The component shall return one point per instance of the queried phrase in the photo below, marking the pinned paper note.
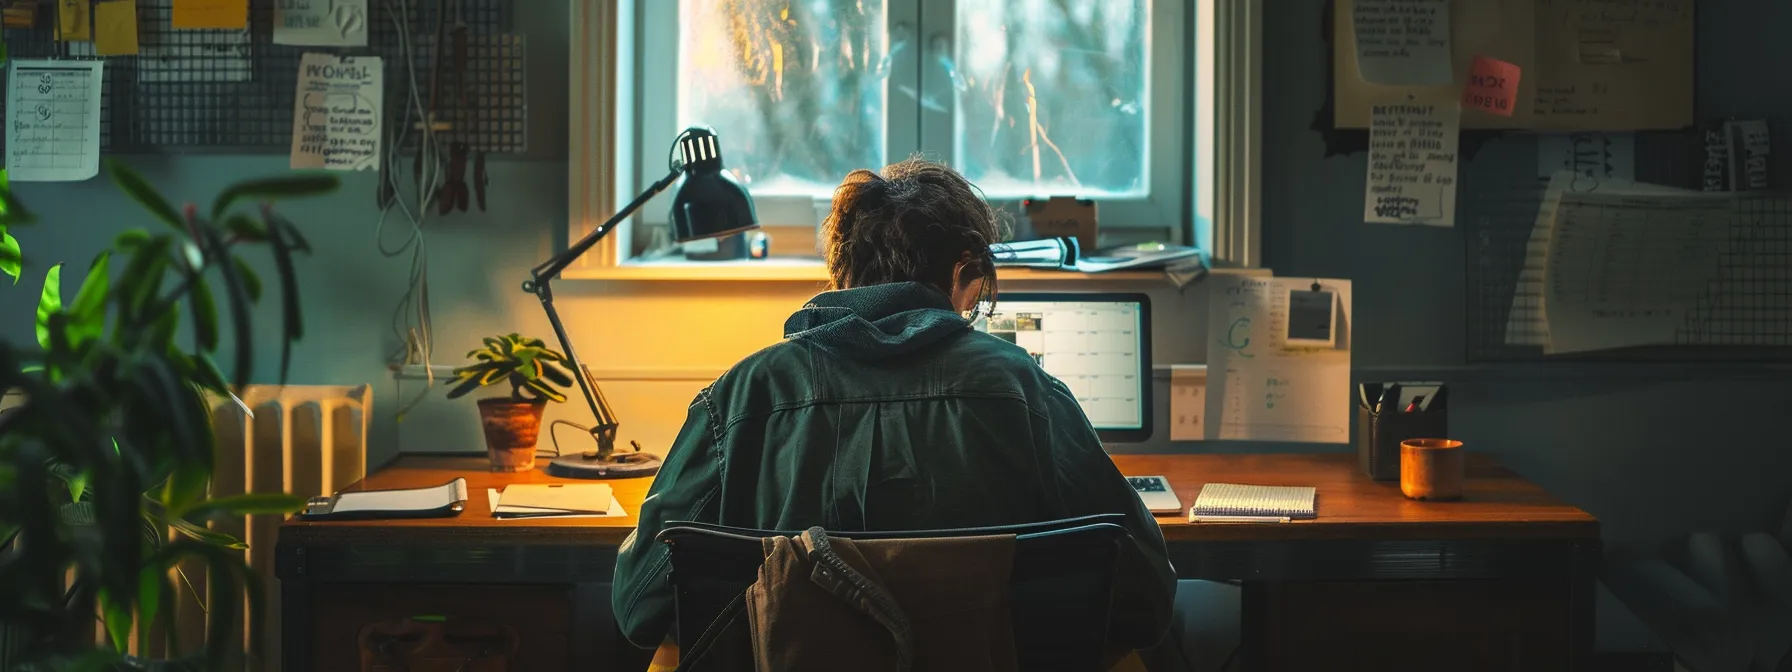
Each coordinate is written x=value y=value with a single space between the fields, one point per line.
x=1412 y=165
x=1258 y=387
x=1593 y=158
x=74 y=21
x=336 y=113
x=321 y=23
x=54 y=110
x=1403 y=41
x=190 y=14
x=1188 y=402
x=1492 y=86
x=115 y=28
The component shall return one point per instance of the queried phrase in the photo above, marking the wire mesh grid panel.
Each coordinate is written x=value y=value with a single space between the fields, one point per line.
x=1743 y=312
x=234 y=89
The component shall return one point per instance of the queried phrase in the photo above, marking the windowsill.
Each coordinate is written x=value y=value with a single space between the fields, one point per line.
x=790 y=269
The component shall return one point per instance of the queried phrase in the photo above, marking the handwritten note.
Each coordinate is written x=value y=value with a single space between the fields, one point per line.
x=1626 y=269
x=1412 y=165
x=54 y=112
x=115 y=28
x=189 y=14
x=336 y=113
x=1403 y=41
x=1188 y=402
x=1258 y=388
x=73 y=21
x=1749 y=139
x=170 y=55
x=1613 y=65
x=321 y=23
x=1593 y=158
x=1492 y=86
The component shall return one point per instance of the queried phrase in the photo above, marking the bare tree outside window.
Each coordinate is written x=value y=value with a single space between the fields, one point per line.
x=1052 y=96
x=797 y=84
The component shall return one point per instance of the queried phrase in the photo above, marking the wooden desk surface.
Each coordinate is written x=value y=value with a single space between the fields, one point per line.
x=1498 y=504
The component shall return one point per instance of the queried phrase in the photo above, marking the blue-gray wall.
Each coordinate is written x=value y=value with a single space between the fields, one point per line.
x=1652 y=450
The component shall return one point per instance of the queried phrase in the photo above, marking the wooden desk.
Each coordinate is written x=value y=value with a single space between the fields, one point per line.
x=1506 y=574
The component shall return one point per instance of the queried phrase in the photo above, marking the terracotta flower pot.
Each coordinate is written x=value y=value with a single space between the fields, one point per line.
x=511 y=430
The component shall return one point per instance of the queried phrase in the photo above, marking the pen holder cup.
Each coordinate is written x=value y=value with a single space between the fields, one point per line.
x=1378 y=435
x=1432 y=469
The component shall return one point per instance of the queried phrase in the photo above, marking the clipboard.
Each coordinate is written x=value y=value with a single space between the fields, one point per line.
x=443 y=501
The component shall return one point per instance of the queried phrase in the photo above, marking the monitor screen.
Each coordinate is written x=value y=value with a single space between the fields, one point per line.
x=1098 y=344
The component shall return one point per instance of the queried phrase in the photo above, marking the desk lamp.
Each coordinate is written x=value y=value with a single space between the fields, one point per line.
x=708 y=203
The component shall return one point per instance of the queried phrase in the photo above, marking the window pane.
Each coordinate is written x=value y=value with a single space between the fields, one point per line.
x=794 y=88
x=1052 y=96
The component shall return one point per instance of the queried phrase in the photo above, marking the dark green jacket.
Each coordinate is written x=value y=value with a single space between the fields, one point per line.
x=883 y=410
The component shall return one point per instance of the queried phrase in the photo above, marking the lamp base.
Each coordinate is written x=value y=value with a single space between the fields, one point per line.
x=617 y=465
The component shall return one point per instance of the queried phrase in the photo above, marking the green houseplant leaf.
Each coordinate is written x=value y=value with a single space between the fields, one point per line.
x=88 y=312
x=301 y=185
x=49 y=303
x=145 y=195
x=12 y=261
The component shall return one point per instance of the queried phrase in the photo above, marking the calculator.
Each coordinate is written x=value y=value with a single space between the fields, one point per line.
x=1156 y=493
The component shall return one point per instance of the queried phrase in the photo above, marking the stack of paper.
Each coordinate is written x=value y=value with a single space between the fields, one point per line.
x=557 y=500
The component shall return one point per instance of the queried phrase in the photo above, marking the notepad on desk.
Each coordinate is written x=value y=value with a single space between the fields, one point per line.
x=1233 y=503
x=443 y=500
x=554 y=500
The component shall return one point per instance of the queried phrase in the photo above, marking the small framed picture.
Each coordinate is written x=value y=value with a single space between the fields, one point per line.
x=1312 y=318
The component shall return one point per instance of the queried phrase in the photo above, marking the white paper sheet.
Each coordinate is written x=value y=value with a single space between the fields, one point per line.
x=1258 y=389
x=1412 y=164
x=493 y=496
x=336 y=113
x=321 y=23
x=1528 y=322
x=1403 y=42
x=1593 y=158
x=208 y=55
x=1188 y=402
x=1626 y=270
x=55 y=113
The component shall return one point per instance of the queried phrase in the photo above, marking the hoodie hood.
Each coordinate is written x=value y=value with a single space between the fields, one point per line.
x=878 y=321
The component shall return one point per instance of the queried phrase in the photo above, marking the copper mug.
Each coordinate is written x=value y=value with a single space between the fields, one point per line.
x=1432 y=469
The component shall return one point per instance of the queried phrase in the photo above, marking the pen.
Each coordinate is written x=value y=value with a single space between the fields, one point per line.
x=1413 y=406
x=1241 y=519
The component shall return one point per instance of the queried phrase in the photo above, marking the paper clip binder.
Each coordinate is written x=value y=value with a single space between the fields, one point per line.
x=442 y=501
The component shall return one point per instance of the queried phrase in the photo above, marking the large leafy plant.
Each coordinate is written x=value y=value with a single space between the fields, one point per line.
x=105 y=466
x=534 y=371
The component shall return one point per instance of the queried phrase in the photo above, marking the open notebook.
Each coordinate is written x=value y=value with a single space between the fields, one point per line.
x=1230 y=500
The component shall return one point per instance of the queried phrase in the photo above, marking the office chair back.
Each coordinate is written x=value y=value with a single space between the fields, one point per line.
x=1059 y=597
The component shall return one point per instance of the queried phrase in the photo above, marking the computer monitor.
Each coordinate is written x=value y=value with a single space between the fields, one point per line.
x=1098 y=344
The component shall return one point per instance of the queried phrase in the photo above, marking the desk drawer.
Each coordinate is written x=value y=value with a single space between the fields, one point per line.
x=540 y=616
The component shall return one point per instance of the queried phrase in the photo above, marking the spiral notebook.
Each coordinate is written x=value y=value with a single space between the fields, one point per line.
x=1253 y=503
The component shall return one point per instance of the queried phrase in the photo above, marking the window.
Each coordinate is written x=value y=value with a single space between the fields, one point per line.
x=1135 y=103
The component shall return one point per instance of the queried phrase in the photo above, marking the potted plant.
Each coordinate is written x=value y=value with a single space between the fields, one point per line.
x=512 y=424
x=105 y=465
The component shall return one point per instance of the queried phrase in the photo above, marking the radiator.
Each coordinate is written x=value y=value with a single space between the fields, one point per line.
x=307 y=440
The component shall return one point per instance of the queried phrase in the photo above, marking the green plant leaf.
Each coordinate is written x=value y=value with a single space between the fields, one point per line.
x=152 y=582
x=203 y=534
x=185 y=487
x=145 y=195
x=141 y=284
x=205 y=313
x=117 y=615
x=12 y=260
x=131 y=239
x=292 y=319
x=544 y=390
x=295 y=186
x=49 y=304
x=245 y=227
x=88 y=313
x=556 y=374
x=251 y=504
x=242 y=339
x=77 y=485
x=208 y=375
x=251 y=281
x=461 y=389
x=11 y=210
x=163 y=330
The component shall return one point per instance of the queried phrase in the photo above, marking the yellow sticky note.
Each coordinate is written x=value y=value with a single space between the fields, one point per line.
x=211 y=13
x=115 y=28
x=73 y=22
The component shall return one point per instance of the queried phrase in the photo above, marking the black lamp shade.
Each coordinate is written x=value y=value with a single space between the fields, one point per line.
x=709 y=202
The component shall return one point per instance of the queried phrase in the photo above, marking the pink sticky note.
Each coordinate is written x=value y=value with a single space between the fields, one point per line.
x=1492 y=86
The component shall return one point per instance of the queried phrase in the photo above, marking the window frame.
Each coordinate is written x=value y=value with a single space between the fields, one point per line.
x=1213 y=187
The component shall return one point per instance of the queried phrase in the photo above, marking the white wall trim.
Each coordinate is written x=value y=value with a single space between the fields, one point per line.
x=1238 y=132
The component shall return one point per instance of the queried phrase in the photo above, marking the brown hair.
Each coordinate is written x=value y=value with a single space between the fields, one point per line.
x=914 y=222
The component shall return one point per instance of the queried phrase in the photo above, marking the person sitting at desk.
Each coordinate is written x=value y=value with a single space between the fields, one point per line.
x=883 y=410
